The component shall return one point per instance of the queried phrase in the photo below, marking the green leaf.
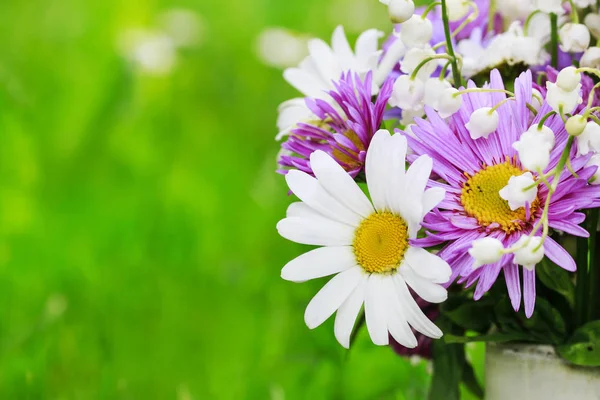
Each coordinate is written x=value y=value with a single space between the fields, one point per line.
x=471 y=382
x=473 y=315
x=557 y=279
x=493 y=337
x=583 y=348
x=448 y=361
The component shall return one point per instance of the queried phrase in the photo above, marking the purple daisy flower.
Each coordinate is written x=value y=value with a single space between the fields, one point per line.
x=344 y=128
x=473 y=172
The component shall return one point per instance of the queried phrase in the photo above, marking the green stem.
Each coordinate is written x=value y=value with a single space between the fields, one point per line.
x=427 y=60
x=594 y=267
x=581 y=284
x=458 y=82
x=554 y=39
x=429 y=8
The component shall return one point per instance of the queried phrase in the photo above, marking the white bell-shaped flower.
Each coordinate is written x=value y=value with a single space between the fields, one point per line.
x=407 y=93
x=513 y=10
x=433 y=90
x=483 y=122
x=574 y=38
x=520 y=191
x=584 y=3
x=486 y=250
x=575 y=125
x=449 y=102
x=592 y=21
x=558 y=98
x=399 y=10
x=568 y=79
x=457 y=9
x=589 y=139
x=534 y=151
x=536 y=99
x=548 y=6
x=591 y=58
x=417 y=31
x=414 y=57
x=595 y=162
x=531 y=252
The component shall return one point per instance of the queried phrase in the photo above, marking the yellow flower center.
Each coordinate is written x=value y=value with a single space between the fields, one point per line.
x=481 y=199
x=380 y=242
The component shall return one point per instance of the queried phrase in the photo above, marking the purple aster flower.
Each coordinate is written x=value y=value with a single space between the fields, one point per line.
x=473 y=171
x=344 y=128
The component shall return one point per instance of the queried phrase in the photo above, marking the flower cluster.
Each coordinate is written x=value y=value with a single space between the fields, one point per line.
x=492 y=167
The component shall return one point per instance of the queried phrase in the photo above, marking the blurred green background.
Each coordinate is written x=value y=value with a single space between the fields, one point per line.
x=138 y=252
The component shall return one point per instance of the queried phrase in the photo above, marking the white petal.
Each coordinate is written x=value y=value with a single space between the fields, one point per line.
x=318 y=263
x=304 y=82
x=331 y=296
x=411 y=204
x=431 y=198
x=375 y=311
x=376 y=169
x=427 y=265
x=341 y=47
x=324 y=60
x=396 y=318
x=414 y=314
x=316 y=231
x=300 y=209
x=367 y=43
x=345 y=317
x=395 y=159
x=339 y=184
x=427 y=290
x=312 y=193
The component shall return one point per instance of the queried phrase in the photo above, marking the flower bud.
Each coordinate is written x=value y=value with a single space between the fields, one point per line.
x=457 y=9
x=558 y=98
x=568 y=79
x=417 y=31
x=407 y=93
x=414 y=57
x=482 y=122
x=595 y=162
x=589 y=139
x=575 y=125
x=516 y=195
x=400 y=10
x=449 y=102
x=549 y=6
x=531 y=253
x=486 y=250
x=574 y=38
x=591 y=58
x=592 y=21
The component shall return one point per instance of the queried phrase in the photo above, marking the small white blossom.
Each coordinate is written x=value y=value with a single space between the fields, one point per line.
x=534 y=149
x=539 y=27
x=516 y=195
x=575 y=125
x=549 y=6
x=536 y=99
x=591 y=58
x=568 y=79
x=531 y=253
x=592 y=21
x=595 y=162
x=416 y=56
x=514 y=10
x=558 y=98
x=584 y=3
x=408 y=116
x=449 y=102
x=433 y=91
x=574 y=38
x=457 y=9
x=407 y=93
x=589 y=139
x=486 y=250
x=483 y=122
x=417 y=31
x=399 y=10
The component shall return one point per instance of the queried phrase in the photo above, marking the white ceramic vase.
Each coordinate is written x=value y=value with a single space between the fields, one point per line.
x=535 y=372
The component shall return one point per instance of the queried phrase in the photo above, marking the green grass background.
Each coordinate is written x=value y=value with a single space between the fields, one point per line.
x=138 y=252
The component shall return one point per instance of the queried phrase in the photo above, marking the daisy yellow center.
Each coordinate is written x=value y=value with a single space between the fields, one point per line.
x=380 y=242
x=481 y=198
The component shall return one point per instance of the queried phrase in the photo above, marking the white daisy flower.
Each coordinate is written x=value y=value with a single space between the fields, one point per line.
x=367 y=244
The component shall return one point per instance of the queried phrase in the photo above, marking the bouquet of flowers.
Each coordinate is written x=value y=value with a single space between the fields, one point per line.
x=450 y=180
